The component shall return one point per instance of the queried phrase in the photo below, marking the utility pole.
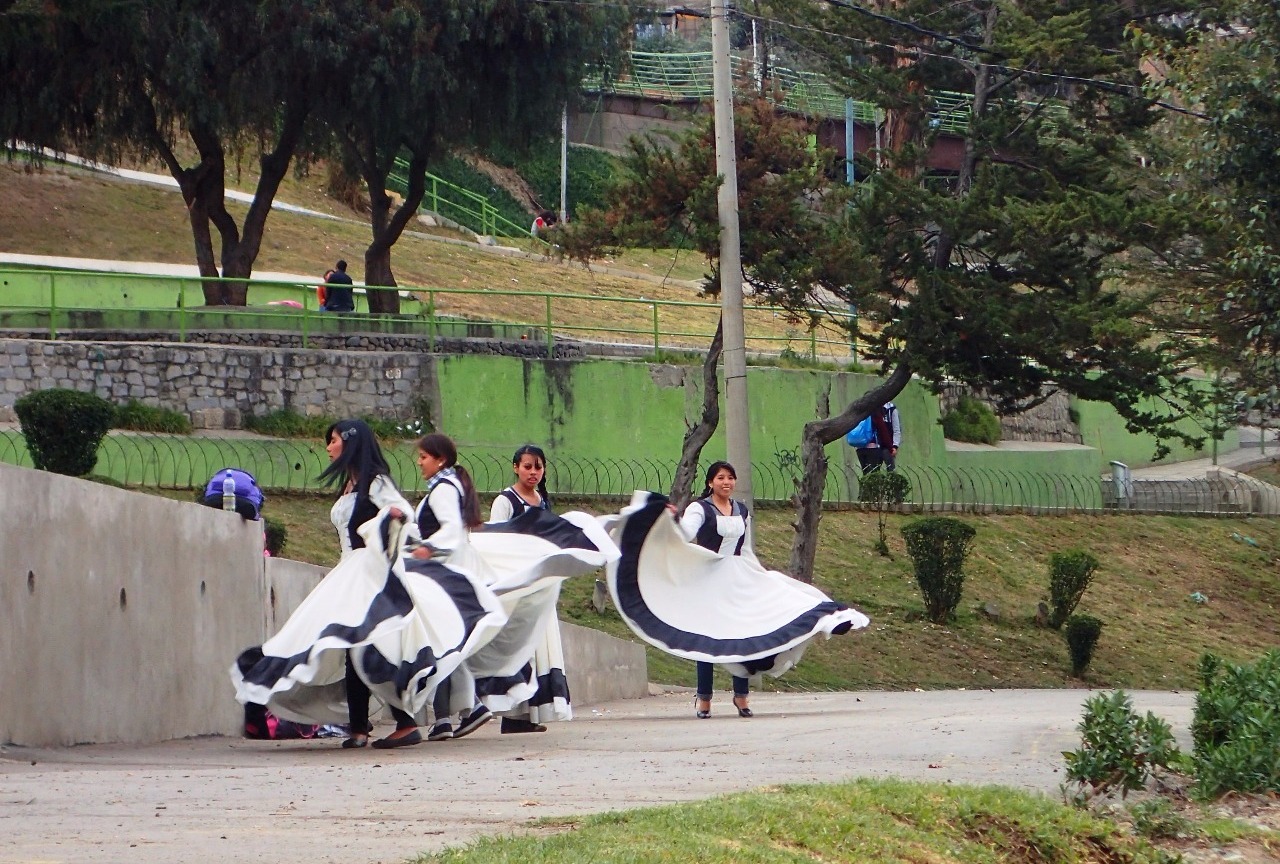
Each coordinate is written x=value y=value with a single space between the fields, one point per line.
x=564 y=164
x=737 y=424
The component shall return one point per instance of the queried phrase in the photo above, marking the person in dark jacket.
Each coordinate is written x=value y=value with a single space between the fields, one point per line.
x=337 y=295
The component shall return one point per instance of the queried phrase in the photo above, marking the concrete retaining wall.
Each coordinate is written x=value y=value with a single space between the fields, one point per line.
x=122 y=612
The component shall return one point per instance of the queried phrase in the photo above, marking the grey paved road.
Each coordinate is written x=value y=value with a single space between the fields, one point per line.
x=227 y=800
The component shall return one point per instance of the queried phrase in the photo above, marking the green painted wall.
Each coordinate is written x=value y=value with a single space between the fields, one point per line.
x=617 y=409
x=1103 y=428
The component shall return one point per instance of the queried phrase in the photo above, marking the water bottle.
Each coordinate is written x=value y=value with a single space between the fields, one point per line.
x=229 y=493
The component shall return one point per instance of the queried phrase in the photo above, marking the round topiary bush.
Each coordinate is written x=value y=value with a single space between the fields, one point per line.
x=63 y=429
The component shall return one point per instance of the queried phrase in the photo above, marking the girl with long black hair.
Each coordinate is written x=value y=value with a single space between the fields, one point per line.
x=358 y=468
x=715 y=521
x=694 y=588
x=448 y=512
x=529 y=492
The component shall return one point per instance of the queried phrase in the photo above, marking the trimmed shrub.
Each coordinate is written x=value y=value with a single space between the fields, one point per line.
x=1118 y=749
x=63 y=429
x=938 y=547
x=1236 y=726
x=880 y=490
x=1082 y=635
x=287 y=423
x=971 y=421
x=149 y=418
x=277 y=535
x=1070 y=573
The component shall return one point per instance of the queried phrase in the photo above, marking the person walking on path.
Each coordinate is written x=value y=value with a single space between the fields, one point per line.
x=338 y=291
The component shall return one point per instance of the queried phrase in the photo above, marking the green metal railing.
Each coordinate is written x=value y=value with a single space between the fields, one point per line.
x=462 y=205
x=687 y=77
x=52 y=300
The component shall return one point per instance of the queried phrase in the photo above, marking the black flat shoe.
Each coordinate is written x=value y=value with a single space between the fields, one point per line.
x=698 y=712
x=355 y=743
x=414 y=737
x=743 y=710
x=513 y=725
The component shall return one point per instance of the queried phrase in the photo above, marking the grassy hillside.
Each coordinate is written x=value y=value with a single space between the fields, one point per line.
x=72 y=212
x=1153 y=631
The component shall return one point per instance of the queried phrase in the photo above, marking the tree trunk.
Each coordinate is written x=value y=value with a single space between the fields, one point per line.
x=194 y=184
x=238 y=257
x=813 y=457
x=700 y=433
x=387 y=228
x=982 y=87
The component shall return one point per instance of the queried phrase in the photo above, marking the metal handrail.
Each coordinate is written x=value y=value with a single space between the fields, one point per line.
x=687 y=77
x=481 y=215
x=166 y=301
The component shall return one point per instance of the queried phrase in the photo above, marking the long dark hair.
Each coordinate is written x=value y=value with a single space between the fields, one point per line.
x=442 y=447
x=361 y=458
x=535 y=451
x=711 y=475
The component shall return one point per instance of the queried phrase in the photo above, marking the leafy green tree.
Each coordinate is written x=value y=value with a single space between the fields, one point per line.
x=416 y=79
x=791 y=242
x=1003 y=273
x=195 y=85
x=1219 y=155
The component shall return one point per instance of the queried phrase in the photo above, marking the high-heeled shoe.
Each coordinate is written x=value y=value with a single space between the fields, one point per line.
x=743 y=710
x=698 y=711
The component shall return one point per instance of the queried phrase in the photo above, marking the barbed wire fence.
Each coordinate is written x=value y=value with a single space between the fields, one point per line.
x=165 y=461
x=178 y=462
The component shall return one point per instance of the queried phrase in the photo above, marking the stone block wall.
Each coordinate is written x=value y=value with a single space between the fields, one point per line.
x=216 y=387
x=1049 y=421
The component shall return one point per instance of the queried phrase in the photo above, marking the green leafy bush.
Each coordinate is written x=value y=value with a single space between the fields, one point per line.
x=149 y=418
x=1070 y=573
x=1082 y=635
x=592 y=173
x=971 y=421
x=880 y=490
x=938 y=546
x=459 y=173
x=1236 y=726
x=1156 y=819
x=1118 y=749
x=287 y=423
x=277 y=535
x=63 y=429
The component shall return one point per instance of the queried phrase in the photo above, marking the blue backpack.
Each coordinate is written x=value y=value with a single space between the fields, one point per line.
x=862 y=434
x=249 y=498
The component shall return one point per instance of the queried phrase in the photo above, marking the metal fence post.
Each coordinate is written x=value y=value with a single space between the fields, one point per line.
x=551 y=339
x=182 y=311
x=813 y=344
x=53 y=306
x=306 y=320
x=431 y=320
x=657 y=346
